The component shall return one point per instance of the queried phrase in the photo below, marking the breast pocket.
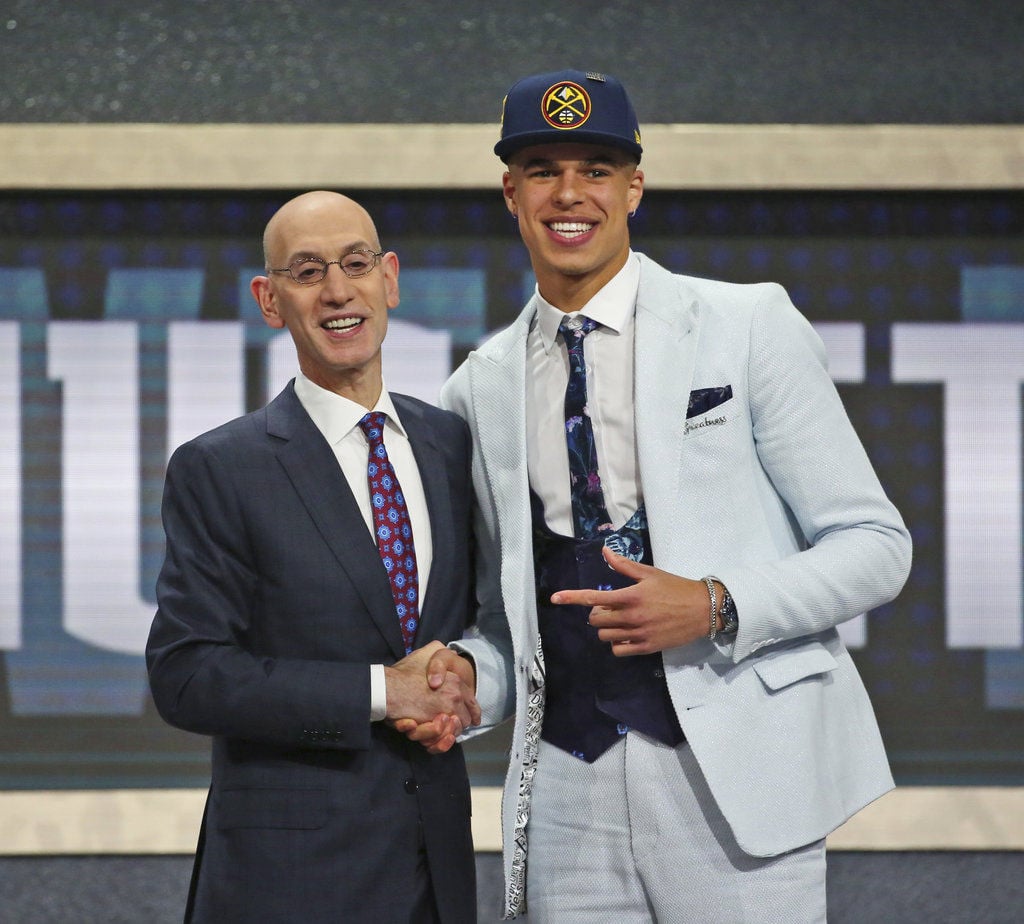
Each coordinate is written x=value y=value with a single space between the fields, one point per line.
x=703 y=400
x=709 y=413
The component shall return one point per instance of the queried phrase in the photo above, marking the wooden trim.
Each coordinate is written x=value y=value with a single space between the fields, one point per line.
x=391 y=156
x=166 y=821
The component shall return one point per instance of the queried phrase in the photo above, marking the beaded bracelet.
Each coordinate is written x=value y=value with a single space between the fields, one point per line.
x=713 y=630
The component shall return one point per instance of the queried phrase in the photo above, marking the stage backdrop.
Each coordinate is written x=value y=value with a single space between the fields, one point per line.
x=126 y=327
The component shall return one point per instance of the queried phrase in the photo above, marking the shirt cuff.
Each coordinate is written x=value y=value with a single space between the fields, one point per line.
x=378 y=693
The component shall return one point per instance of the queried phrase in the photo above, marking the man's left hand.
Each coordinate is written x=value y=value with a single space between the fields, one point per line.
x=440 y=734
x=661 y=610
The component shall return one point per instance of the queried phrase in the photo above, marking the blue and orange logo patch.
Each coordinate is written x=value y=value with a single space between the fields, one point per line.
x=565 y=105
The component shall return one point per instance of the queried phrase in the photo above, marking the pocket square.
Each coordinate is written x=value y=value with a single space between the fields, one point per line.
x=703 y=400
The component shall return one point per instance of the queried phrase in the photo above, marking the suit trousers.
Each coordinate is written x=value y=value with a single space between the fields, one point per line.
x=637 y=837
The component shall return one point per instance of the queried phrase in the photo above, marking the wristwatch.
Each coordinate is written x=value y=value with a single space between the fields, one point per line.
x=730 y=618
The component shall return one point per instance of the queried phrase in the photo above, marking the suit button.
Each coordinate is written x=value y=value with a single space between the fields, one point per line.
x=411 y=787
x=659 y=673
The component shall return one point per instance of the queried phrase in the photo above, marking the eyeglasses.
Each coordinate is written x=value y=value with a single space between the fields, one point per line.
x=308 y=271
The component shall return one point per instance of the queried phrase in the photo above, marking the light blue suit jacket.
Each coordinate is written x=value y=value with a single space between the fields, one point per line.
x=772 y=492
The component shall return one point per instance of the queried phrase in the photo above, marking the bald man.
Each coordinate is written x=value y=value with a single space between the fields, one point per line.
x=301 y=596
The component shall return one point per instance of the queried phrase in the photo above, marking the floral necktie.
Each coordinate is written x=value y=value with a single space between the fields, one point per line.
x=588 y=510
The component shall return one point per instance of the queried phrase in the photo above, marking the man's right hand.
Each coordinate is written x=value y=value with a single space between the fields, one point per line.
x=430 y=682
x=445 y=672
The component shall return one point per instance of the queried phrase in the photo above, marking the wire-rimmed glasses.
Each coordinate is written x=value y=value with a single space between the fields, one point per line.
x=308 y=271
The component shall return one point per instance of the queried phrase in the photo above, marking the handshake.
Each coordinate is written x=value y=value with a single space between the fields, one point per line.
x=431 y=696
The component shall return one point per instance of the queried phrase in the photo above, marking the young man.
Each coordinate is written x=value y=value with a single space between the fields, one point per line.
x=294 y=638
x=688 y=724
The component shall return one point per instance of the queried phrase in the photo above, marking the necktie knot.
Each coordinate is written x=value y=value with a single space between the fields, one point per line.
x=372 y=425
x=574 y=329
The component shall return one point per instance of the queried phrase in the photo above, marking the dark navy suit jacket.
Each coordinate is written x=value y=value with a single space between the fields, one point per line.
x=272 y=603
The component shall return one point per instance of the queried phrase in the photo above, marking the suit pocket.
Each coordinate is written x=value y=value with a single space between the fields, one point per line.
x=703 y=400
x=710 y=411
x=781 y=668
x=272 y=808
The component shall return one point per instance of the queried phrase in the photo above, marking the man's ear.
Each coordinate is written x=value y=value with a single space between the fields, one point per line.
x=389 y=263
x=508 y=190
x=636 y=190
x=264 y=295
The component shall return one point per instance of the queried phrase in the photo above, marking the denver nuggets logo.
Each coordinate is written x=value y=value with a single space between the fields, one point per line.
x=566 y=105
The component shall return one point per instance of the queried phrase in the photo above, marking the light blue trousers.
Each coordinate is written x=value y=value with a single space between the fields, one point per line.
x=636 y=837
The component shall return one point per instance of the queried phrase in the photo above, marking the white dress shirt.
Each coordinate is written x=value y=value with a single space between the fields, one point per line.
x=337 y=418
x=608 y=349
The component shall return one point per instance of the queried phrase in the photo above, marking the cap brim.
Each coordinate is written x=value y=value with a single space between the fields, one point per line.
x=506 y=147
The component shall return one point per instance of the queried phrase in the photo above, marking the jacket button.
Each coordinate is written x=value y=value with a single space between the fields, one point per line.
x=411 y=787
x=659 y=673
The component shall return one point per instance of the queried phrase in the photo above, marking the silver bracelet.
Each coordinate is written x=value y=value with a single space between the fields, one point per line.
x=713 y=630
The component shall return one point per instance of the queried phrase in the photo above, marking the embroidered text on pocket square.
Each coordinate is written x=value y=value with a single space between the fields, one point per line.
x=703 y=400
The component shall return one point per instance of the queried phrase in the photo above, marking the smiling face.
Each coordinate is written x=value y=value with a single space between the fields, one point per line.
x=572 y=202
x=338 y=324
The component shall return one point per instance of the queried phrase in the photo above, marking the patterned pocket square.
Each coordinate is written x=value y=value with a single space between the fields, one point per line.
x=703 y=400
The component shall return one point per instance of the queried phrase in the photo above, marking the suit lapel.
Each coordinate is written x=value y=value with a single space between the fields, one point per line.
x=313 y=470
x=431 y=464
x=498 y=384
x=667 y=334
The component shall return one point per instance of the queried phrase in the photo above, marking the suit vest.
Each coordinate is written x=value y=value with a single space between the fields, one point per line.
x=593 y=697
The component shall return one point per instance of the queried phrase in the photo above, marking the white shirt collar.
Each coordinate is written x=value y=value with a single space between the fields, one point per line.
x=612 y=306
x=336 y=416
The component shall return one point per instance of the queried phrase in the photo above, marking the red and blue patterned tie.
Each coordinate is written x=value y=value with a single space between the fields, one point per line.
x=589 y=514
x=392 y=528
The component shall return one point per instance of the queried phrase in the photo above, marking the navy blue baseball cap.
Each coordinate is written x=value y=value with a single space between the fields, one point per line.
x=568 y=106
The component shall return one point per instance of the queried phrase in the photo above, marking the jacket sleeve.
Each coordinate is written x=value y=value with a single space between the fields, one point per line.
x=212 y=666
x=853 y=549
